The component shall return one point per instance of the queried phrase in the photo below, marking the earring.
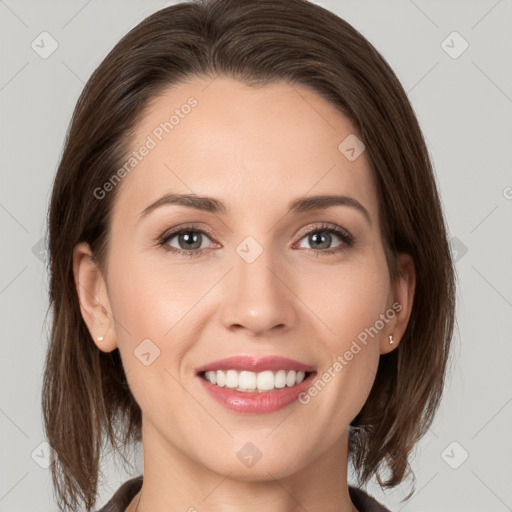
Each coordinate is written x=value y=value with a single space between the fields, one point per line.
x=391 y=340
x=101 y=338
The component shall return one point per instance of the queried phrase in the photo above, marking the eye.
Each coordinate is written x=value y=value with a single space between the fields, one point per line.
x=321 y=238
x=189 y=240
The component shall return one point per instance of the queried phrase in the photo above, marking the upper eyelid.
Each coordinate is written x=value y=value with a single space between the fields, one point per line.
x=323 y=225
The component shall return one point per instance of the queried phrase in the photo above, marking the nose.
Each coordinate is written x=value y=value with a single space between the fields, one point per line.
x=258 y=297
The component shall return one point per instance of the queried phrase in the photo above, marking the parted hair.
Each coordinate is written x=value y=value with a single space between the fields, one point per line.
x=86 y=400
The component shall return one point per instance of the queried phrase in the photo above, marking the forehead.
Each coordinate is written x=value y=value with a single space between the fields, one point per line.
x=252 y=146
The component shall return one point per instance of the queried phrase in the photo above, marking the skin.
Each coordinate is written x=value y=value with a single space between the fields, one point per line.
x=256 y=150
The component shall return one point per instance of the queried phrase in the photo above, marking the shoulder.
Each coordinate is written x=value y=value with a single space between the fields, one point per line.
x=123 y=496
x=364 y=502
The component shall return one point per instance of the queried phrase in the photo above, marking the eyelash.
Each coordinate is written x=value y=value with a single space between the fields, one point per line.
x=347 y=239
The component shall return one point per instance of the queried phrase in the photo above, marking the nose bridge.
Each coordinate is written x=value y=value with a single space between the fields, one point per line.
x=253 y=266
x=257 y=297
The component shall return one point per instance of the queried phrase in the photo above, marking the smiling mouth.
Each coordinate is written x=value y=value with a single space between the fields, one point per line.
x=255 y=382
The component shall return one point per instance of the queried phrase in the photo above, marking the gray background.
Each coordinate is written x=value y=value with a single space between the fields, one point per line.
x=464 y=106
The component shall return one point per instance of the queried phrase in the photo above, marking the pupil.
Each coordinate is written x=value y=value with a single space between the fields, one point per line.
x=326 y=237
x=191 y=238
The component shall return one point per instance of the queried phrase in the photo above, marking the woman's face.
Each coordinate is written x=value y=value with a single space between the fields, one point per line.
x=264 y=280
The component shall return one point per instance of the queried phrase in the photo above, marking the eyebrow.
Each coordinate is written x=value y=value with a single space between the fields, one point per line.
x=303 y=204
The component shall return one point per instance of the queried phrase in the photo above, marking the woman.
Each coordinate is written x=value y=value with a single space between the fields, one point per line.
x=250 y=271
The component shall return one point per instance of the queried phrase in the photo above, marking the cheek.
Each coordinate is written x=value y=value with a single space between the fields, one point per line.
x=348 y=298
x=149 y=309
x=353 y=304
x=154 y=306
x=149 y=299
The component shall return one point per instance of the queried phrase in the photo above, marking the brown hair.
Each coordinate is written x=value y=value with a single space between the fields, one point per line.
x=85 y=396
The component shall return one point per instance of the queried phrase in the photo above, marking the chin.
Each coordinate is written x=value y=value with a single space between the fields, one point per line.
x=262 y=469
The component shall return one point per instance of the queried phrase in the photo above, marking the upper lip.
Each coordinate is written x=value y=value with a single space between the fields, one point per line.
x=255 y=364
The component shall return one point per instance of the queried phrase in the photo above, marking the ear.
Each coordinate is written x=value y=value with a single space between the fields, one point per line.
x=93 y=298
x=401 y=300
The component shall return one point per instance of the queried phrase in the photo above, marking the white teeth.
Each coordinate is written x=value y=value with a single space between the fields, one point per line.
x=231 y=379
x=221 y=378
x=280 y=379
x=212 y=377
x=265 y=381
x=247 y=381
x=251 y=381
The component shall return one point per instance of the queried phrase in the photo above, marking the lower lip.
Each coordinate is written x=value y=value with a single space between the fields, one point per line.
x=255 y=402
